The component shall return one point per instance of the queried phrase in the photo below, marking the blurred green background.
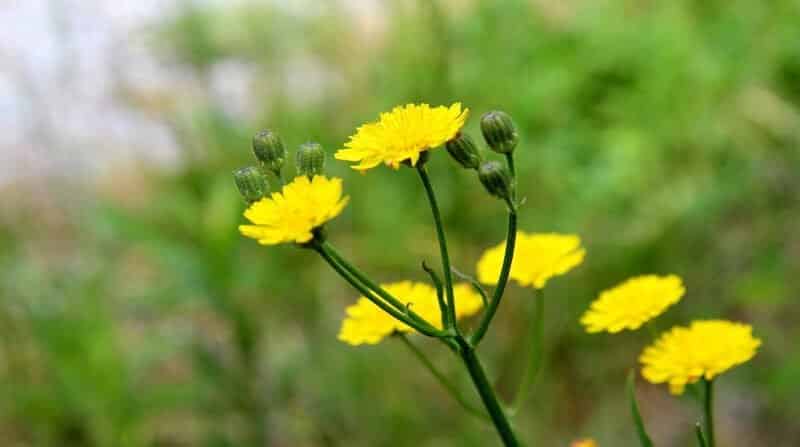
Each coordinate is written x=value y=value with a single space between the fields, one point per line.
x=664 y=133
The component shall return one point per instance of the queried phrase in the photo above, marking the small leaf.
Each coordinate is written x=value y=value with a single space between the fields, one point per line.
x=701 y=439
x=644 y=439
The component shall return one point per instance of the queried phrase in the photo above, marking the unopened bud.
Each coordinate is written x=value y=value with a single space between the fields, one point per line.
x=464 y=151
x=251 y=183
x=499 y=131
x=494 y=177
x=310 y=159
x=268 y=149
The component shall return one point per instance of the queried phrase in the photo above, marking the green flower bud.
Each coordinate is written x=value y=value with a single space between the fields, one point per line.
x=499 y=131
x=268 y=149
x=251 y=183
x=464 y=151
x=495 y=179
x=310 y=159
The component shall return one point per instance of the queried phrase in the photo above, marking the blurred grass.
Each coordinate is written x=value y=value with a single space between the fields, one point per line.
x=666 y=134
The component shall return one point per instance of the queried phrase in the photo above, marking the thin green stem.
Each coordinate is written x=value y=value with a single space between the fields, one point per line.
x=708 y=407
x=440 y=377
x=475 y=285
x=487 y=393
x=437 y=219
x=535 y=352
x=511 y=238
x=324 y=250
x=439 y=292
x=380 y=291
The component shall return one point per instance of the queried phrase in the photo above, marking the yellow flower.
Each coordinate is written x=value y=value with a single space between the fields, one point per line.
x=586 y=442
x=402 y=134
x=367 y=323
x=537 y=258
x=634 y=302
x=705 y=349
x=291 y=215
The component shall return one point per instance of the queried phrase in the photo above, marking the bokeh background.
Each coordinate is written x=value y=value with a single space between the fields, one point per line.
x=133 y=314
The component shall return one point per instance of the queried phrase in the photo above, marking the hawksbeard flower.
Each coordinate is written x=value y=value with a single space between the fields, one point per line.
x=586 y=442
x=292 y=214
x=705 y=349
x=366 y=323
x=402 y=135
x=631 y=304
x=537 y=258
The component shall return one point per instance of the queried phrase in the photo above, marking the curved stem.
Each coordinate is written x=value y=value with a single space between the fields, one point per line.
x=324 y=250
x=535 y=352
x=511 y=238
x=475 y=285
x=708 y=405
x=439 y=292
x=440 y=377
x=487 y=393
x=380 y=291
x=437 y=219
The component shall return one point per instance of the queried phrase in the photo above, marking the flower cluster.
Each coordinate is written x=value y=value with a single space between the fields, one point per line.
x=365 y=323
x=297 y=213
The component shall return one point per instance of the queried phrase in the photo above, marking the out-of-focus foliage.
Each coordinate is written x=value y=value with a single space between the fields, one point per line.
x=666 y=134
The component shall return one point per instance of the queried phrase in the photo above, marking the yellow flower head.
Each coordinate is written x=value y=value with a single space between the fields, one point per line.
x=367 y=323
x=586 y=442
x=631 y=304
x=291 y=215
x=705 y=349
x=402 y=134
x=537 y=258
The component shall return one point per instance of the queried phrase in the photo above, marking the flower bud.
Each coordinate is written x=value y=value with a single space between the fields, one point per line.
x=495 y=179
x=499 y=131
x=251 y=183
x=268 y=149
x=310 y=159
x=464 y=151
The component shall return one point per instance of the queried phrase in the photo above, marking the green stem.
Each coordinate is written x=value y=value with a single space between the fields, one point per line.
x=324 y=250
x=535 y=351
x=701 y=439
x=439 y=292
x=708 y=405
x=440 y=377
x=487 y=393
x=437 y=219
x=511 y=238
x=380 y=291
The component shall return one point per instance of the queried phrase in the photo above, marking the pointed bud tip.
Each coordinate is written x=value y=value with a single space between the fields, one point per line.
x=310 y=159
x=251 y=183
x=499 y=131
x=464 y=151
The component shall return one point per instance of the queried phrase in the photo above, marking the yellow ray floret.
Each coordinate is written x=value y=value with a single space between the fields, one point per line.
x=292 y=214
x=537 y=258
x=632 y=303
x=366 y=323
x=402 y=134
x=587 y=442
x=705 y=349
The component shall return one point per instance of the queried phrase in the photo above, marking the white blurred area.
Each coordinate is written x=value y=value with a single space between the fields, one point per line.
x=67 y=70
